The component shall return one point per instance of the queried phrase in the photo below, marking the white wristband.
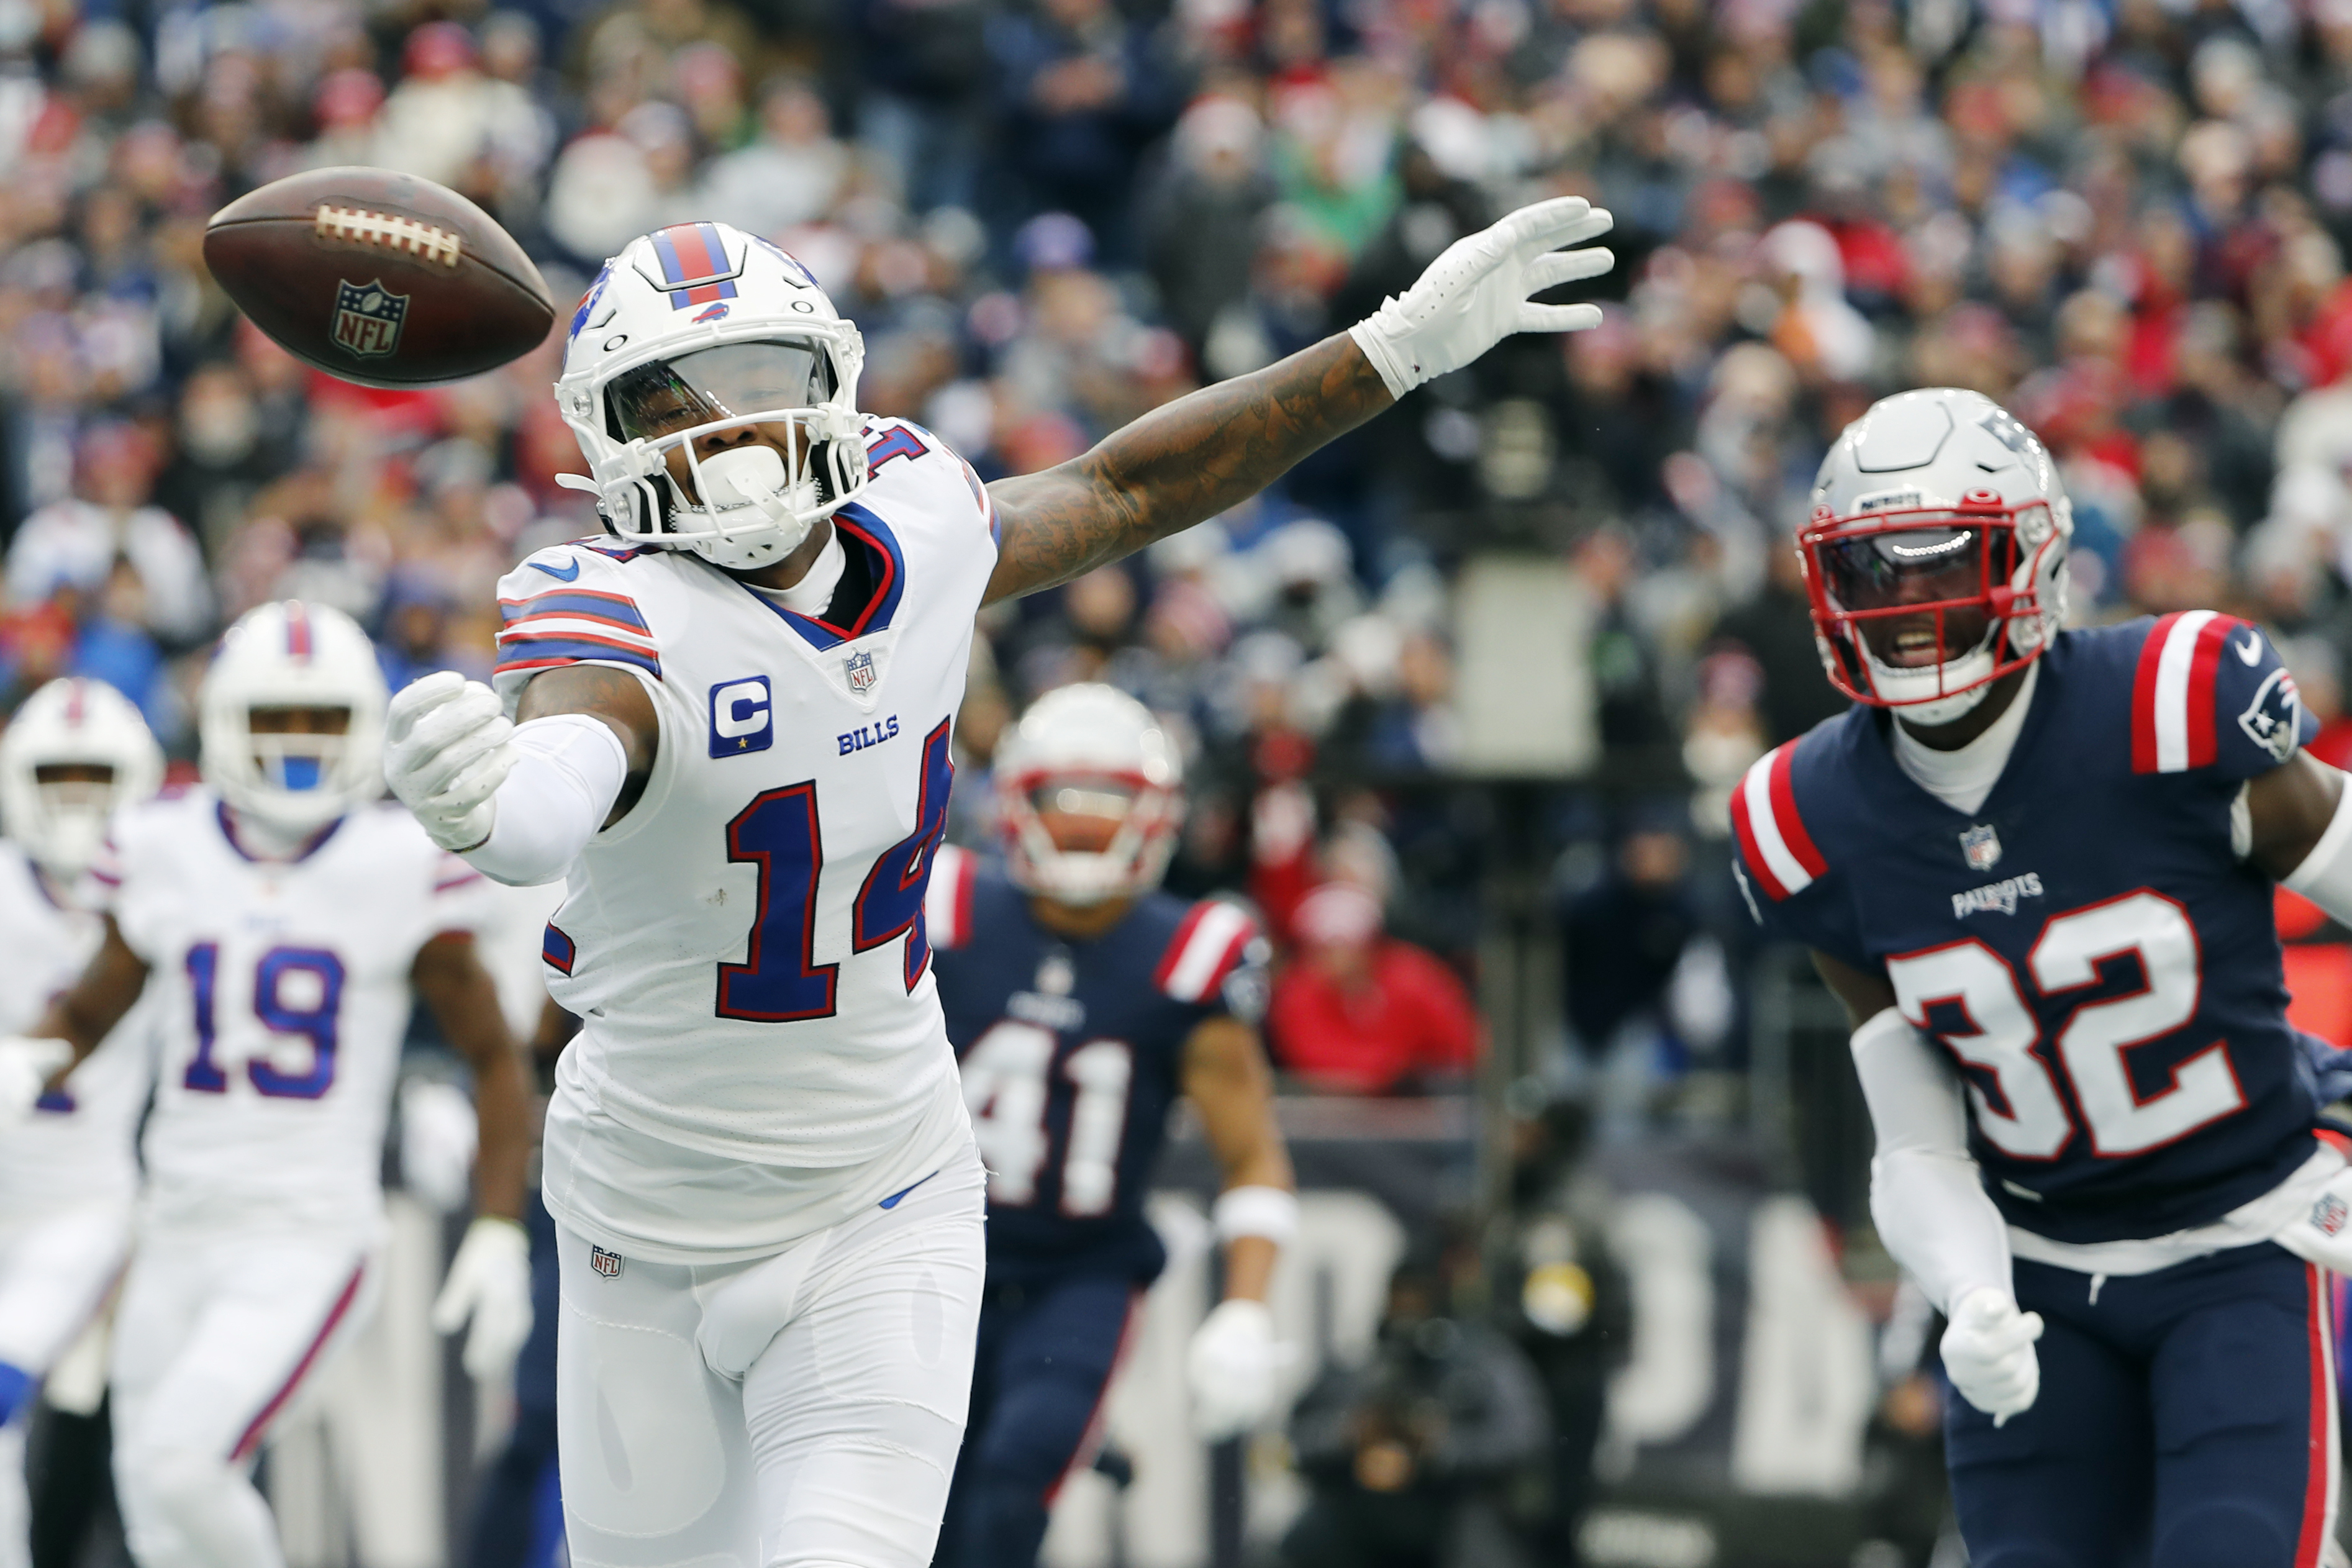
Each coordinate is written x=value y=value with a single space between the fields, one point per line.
x=568 y=771
x=1268 y=1211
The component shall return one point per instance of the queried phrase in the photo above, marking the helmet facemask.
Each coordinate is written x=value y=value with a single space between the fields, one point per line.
x=74 y=802
x=76 y=753
x=1087 y=838
x=737 y=450
x=1920 y=609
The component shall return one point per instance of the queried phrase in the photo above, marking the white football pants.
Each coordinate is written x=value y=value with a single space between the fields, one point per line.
x=216 y=1334
x=54 y=1271
x=802 y=1409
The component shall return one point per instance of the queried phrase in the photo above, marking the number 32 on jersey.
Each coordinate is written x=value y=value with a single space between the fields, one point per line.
x=1968 y=997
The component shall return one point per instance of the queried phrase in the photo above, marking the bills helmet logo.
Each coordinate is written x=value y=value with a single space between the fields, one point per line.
x=1980 y=847
x=368 y=318
x=608 y=1264
x=858 y=669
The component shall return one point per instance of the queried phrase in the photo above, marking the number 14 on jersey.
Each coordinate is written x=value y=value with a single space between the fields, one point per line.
x=780 y=980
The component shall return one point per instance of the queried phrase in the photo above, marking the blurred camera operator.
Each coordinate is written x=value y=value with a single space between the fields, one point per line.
x=1410 y=1458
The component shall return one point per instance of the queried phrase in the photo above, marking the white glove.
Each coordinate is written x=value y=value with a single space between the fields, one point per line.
x=1475 y=294
x=1233 y=1366
x=26 y=1065
x=1988 y=1354
x=446 y=753
x=489 y=1282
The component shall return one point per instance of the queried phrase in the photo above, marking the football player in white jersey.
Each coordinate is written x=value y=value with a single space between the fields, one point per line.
x=726 y=722
x=74 y=752
x=282 y=913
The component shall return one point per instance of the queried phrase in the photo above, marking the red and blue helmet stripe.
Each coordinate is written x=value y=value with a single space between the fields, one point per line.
x=694 y=263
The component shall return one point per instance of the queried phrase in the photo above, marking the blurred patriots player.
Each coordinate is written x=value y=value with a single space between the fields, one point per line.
x=730 y=732
x=74 y=753
x=280 y=915
x=1082 y=1001
x=2036 y=865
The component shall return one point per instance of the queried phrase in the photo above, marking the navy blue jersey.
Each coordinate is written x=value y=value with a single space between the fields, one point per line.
x=2087 y=945
x=1072 y=1056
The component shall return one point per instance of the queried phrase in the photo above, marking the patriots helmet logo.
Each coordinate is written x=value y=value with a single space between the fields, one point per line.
x=368 y=318
x=2274 y=720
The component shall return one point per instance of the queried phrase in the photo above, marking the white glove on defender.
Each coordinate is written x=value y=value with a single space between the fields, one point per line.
x=1232 y=1367
x=26 y=1065
x=489 y=1282
x=1475 y=294
x=446 y=753
x=1988 y=1354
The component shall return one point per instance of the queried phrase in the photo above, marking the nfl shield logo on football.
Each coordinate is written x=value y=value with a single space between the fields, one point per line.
x=368 y=318
x=859 y=668
x=1981 y=846
x=606 y=1263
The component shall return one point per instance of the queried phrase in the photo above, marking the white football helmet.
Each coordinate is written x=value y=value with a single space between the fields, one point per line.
x=1090 y=751
x=1936 y=558
x=690 y=335
x=73 y=724
x=293 y=655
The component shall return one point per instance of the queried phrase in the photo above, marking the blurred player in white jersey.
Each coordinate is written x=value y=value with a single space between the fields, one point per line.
x=280 y=915
x=74 y=752
x=729 y=730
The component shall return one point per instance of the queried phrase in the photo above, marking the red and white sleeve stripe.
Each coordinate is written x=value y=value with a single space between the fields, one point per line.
x=1772 y=837
x=947 y=905
x=1204 y=950
x=2172 y=694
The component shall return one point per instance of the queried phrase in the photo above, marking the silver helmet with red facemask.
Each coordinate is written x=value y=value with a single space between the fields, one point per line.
x=1936 y=556
x=1092 y=757
x=713 y=389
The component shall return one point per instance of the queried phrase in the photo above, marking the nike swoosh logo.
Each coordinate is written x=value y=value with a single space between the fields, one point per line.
x=2250 y=650
x=892 y=1201
x=564 y=576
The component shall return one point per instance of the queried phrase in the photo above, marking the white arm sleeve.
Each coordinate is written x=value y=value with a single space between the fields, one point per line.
x=1925 y=1197
x=2325 y=877
x=568 y=771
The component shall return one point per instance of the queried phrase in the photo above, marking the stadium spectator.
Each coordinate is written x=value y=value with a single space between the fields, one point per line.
x=1359 y=1012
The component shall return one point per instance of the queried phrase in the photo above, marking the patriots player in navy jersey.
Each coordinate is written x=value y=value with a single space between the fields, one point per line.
x=2036 y=865
x=1082 y=1001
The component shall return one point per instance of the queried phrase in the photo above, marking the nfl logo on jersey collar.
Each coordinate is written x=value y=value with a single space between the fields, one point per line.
x=1980 y=846
x=857 y=670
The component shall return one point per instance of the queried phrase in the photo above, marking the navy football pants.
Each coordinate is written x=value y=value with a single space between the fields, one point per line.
x=2186 y=1420
x=1045 y=1357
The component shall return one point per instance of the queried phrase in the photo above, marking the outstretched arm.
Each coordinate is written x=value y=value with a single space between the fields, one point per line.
x=521 y=800
x=1203 y=453
x=1178 y=466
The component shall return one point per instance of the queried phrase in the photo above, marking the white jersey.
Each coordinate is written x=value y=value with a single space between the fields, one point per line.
x=746 y=948
x=77 y=1144
x=281 y=995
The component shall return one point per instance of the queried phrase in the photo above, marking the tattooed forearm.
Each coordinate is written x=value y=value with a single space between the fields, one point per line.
x=1178 y=466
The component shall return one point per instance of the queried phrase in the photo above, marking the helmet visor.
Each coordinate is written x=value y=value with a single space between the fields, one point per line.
x=1901 y=567
x=729 y=381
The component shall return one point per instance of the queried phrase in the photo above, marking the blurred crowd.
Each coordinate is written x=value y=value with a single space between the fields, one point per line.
x=2125 y=218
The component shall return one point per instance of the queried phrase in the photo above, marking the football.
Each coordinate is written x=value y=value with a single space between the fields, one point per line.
x=379 y=278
